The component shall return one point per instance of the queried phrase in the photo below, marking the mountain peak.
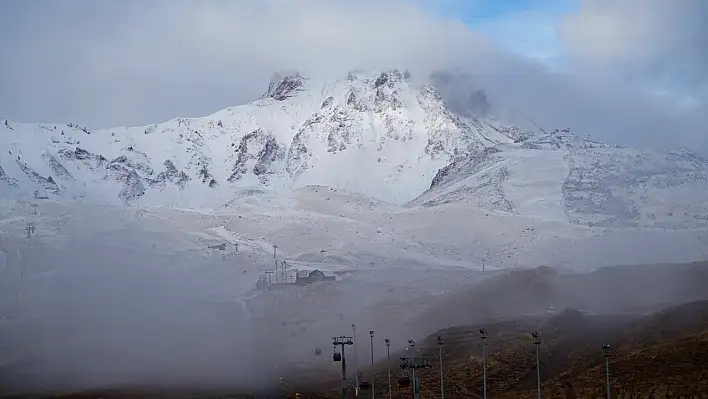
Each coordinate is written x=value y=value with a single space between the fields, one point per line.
x=379 y=77
x=282 y=87
x=376 y=133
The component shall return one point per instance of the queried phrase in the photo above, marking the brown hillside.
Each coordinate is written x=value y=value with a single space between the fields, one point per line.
x=660 y=354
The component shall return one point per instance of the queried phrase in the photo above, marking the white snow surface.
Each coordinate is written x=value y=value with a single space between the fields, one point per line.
x=375 y=133
x=564 y=178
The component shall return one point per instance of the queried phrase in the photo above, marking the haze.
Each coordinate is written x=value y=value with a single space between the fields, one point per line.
x=102 y=64
x=103 y=296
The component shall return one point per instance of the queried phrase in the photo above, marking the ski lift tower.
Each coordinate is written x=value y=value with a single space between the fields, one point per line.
x=342 y=341
x=415 y=363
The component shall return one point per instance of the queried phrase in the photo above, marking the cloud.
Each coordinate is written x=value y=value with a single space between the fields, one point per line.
x=104 y=63
x=661 y=43
x=138 y=62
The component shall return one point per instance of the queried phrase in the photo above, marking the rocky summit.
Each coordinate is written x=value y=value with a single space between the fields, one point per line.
x=386 y=135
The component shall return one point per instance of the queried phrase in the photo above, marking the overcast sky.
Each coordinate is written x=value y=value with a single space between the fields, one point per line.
x=632 y=72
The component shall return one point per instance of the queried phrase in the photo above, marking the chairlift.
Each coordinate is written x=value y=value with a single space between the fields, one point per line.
x=404 y=381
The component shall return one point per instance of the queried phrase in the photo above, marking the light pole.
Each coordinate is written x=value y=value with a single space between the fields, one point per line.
x=442 y=388
x=606 y=354
x=537 y=341
x=371 y=338
x=483 y=336
x=388 y=362
x=356 y=362
x=416 y=391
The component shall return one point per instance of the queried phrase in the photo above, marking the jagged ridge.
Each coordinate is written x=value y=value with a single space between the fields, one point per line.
x=375 y=133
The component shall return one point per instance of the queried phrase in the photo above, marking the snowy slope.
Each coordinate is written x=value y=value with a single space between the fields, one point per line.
x=370 y=132
x=562 y=177
x=374 y=133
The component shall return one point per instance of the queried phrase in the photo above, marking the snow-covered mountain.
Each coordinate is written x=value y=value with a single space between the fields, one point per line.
x=562 y=177
x=376 y=133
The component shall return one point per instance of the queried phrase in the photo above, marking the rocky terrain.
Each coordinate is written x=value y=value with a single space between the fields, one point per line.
x=385 y=135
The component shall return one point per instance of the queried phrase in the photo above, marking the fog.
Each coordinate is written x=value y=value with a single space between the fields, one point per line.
x=103 y=308
x=114 y=298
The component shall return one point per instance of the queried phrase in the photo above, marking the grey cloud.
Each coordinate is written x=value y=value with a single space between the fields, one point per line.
x=661 y=43
x=106 y=63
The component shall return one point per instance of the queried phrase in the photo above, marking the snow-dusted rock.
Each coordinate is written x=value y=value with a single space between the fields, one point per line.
x=563 y=177
x=373 y=132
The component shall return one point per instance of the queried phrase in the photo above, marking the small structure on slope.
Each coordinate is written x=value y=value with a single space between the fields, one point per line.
x=313 y=276
x=302 y=277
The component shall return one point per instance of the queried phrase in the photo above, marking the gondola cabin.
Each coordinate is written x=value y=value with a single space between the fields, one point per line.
x=404 y=382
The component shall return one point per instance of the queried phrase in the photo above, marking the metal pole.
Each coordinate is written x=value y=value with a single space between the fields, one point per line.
x=344 y=375
x=606 y=354
x=537 y=341
x=484 y=369
x=388 y=362
x=416 y=392
x=538 y=372
x=371 y=336
x=607 y=375
x=277 y=274
x=416 y=387
x=442 y=388
x=483 y=336
x=356 y=363
x=341 y=341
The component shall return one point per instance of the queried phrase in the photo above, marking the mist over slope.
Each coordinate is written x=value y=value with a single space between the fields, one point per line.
x=146 y=297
